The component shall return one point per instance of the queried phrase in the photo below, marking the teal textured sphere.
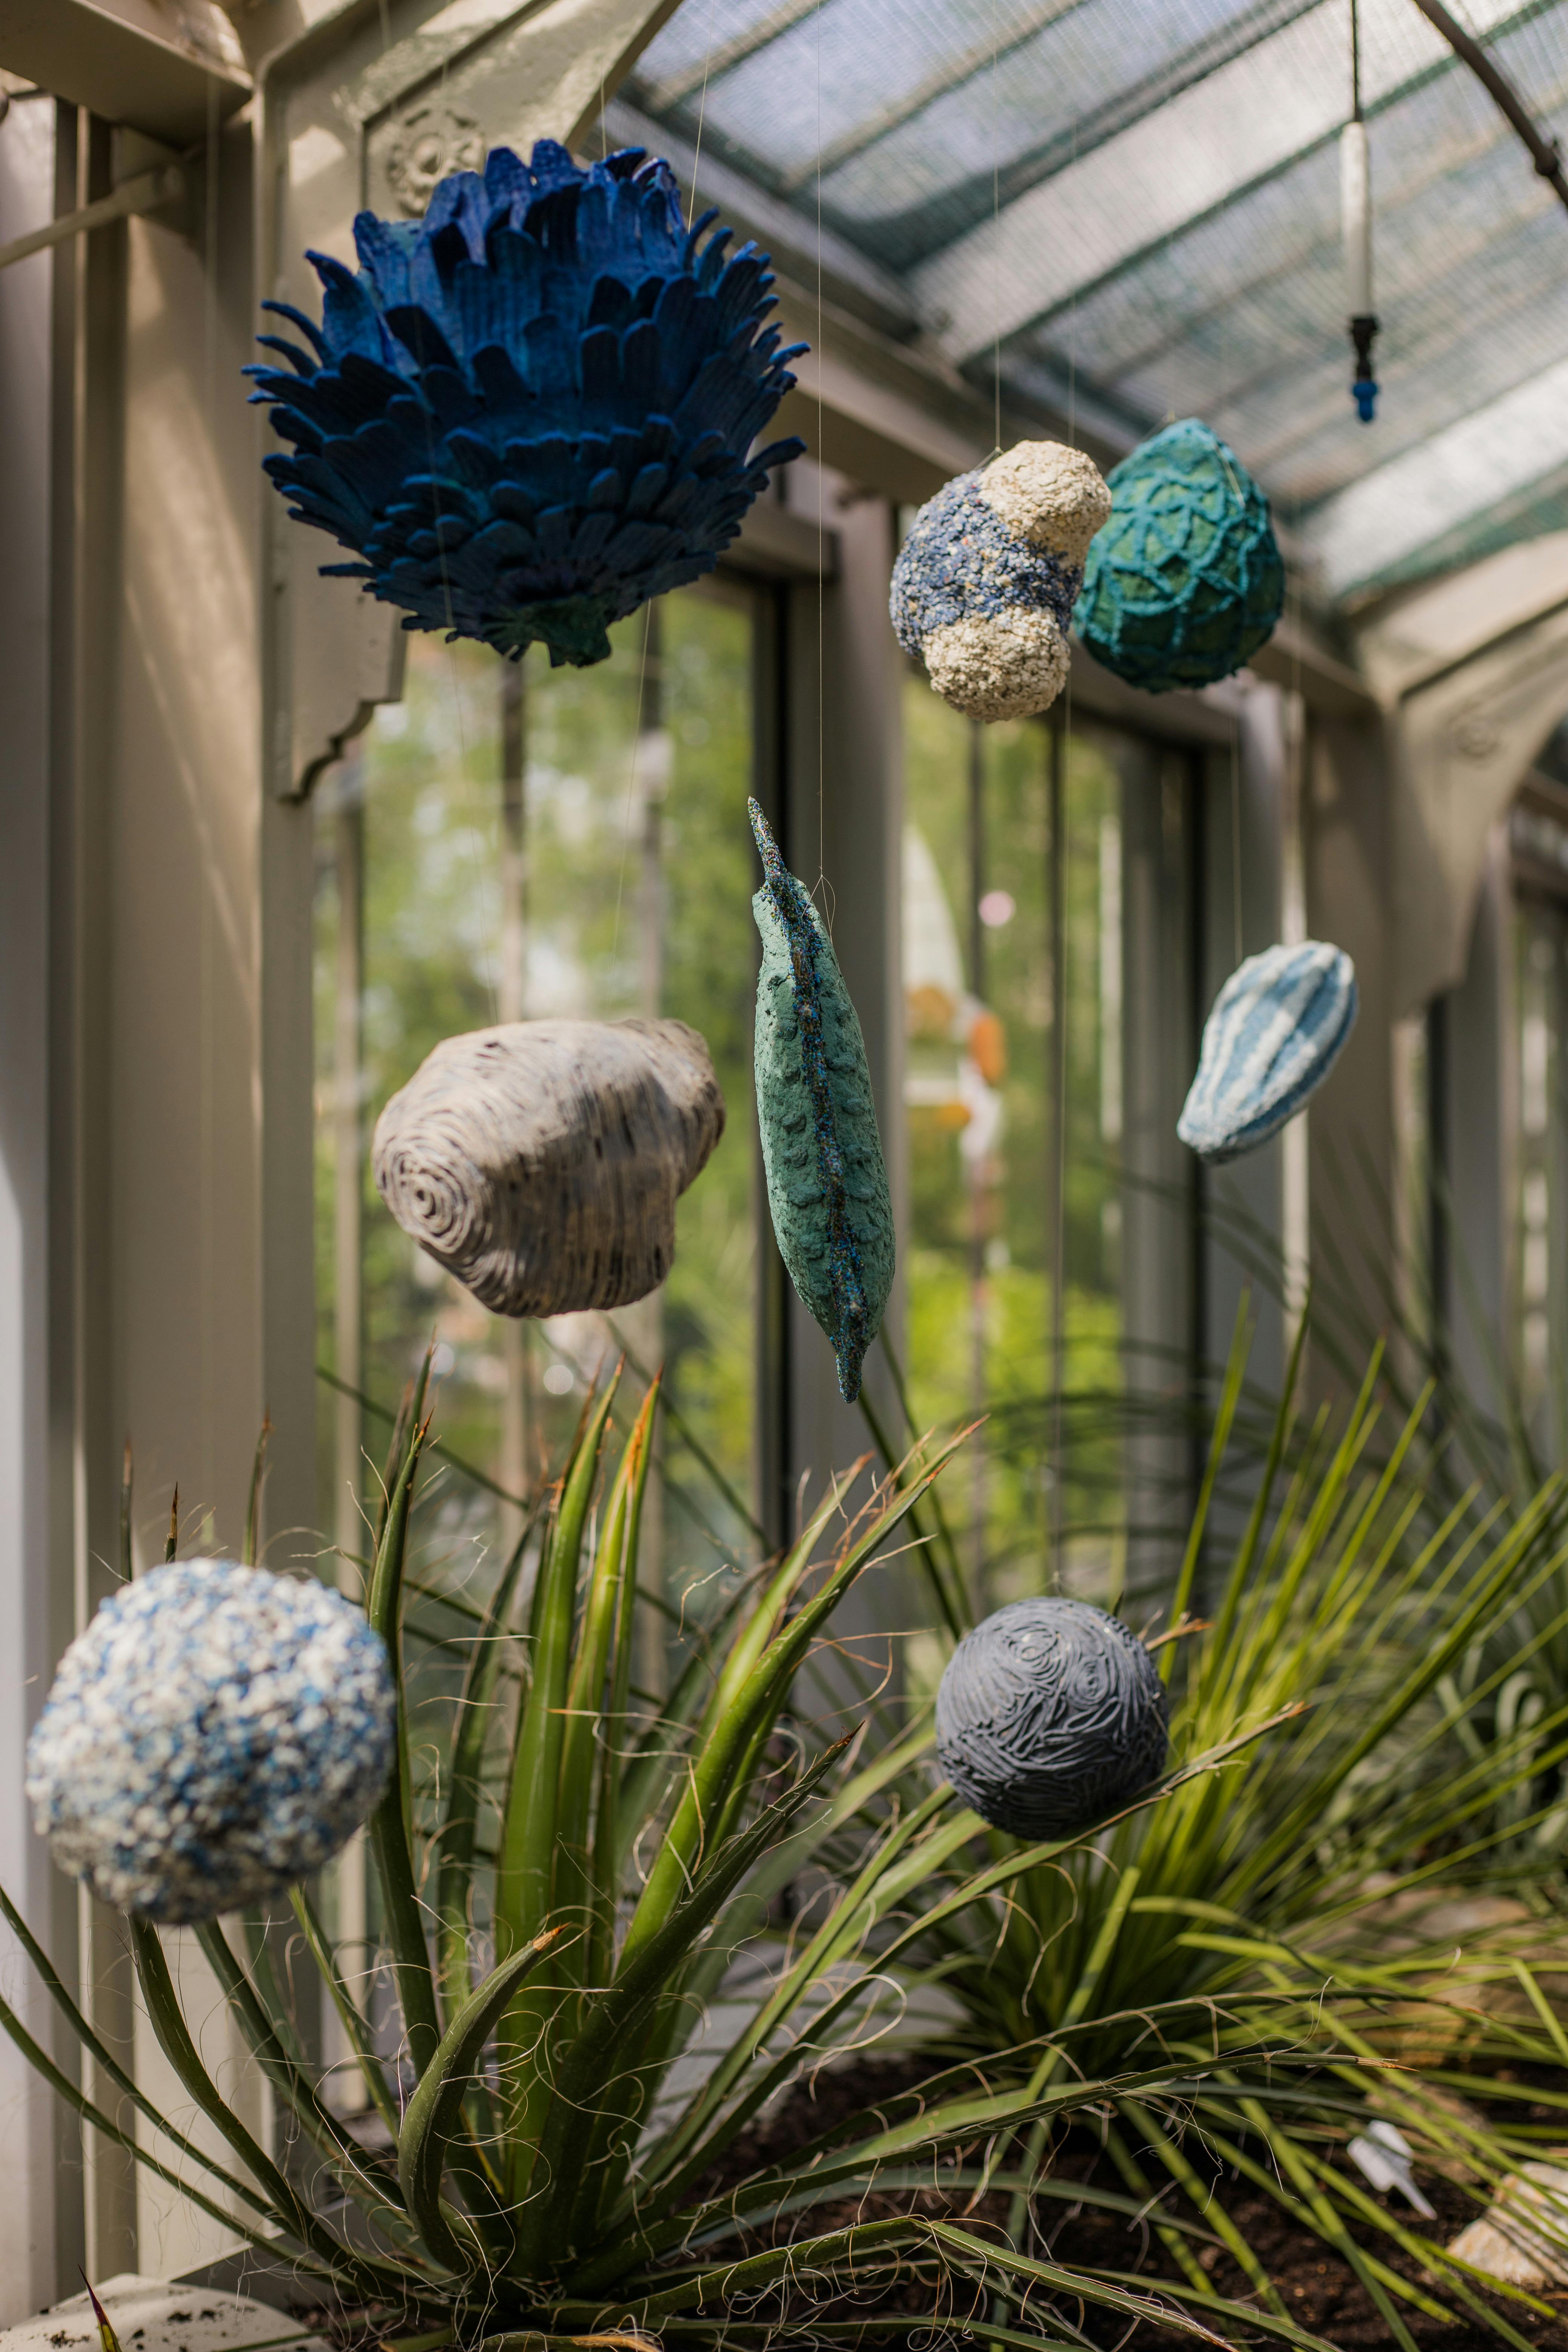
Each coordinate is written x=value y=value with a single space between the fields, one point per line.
x=1186 y=582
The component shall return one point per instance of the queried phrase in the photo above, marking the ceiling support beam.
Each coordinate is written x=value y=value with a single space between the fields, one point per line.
x=149 y=192
x=1544 y=153
x=110 y=57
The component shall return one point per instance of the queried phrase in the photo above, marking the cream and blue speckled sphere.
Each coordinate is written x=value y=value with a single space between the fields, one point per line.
x=983 y=586
x=1050 y=1715
x=216 y=1734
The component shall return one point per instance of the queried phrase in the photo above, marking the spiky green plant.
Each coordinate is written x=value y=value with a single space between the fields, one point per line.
x=1302 y=1894
x=535 y=2174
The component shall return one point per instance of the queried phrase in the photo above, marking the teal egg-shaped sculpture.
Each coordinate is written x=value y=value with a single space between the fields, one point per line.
x=1185 y=581
x=1050 y=1715
x=822 y=1152
x=1278 y=1027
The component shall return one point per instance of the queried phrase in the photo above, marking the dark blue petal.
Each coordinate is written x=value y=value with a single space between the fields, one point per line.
x=420 y=336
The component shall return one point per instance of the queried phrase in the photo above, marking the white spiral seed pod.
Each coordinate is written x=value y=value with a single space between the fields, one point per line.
x=540 y=1162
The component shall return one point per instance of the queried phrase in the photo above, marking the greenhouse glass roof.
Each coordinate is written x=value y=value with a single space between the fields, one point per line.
x=1133 y=206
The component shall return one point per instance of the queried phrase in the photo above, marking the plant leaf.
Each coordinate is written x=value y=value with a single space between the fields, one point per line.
x=391 y=1829
x=525 y=1876
x=434 y=2111
x=460 y=1827
x=370 y=2276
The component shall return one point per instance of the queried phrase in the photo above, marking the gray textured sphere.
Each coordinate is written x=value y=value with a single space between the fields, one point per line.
x=1050 y=1713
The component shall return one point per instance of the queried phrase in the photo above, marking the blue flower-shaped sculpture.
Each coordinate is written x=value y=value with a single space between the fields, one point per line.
x=1278 y=1027
x=533 y=409
x=216 y=1734
x=1050 y=1715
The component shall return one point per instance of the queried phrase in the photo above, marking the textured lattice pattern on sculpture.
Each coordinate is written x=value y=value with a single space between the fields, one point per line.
x=216 y=1734
x=540 y=1162
x=822 y=1154
x=1050 y=1713
x=531 y=410
x=982 y=588
x=1186 y=579
x=1277 y=1029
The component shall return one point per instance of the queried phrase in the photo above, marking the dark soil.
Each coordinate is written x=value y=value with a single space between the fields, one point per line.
x=1318 y=2287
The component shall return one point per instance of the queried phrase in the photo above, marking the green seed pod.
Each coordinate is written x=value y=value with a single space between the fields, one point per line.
x=827 y=1186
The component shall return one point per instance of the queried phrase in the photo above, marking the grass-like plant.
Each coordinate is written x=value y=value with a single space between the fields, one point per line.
x=1219 y=1985
x=1300 y=1898
x=535 y=2175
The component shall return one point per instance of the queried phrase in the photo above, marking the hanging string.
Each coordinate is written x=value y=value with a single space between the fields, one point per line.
x=1236 y=831
x=996 y=234
x=821 y=532
x=1061 y=741
x=647 y=618
x=703 y=109
x=1056 y=920
x=631 y=780
x=212 y=164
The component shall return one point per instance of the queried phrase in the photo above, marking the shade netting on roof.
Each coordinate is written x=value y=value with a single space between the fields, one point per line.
x=1135 y=205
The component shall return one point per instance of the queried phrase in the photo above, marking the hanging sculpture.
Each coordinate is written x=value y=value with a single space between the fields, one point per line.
x=540 y=1162
x=531 y=410
x=1186 y=582
x=1278 y=1027
x=1356 y=229
x=982 y=589
x=1049 y=1716
x=216 y=1734
x=1355 y=208
x=822 y=1155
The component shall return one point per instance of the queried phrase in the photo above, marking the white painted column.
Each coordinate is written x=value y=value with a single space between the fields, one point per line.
x=29 y=2158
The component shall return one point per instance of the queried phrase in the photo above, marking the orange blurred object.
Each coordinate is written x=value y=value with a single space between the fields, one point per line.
x=929 y=1011
x=989 y=1044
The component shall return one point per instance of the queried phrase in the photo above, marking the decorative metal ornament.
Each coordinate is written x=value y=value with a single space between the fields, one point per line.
x=531 y=410
x=1050 y=1713
x=540 y=1162
x=1355 y=217
x=827 y=1186
x=1355 y=228
x=216 y=1734
x=1278 y=1027
x=982 y=589
x=1185 y=582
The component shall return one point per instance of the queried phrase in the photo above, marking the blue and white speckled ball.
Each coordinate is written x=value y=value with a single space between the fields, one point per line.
x=1050 y=1715
x=216 y=1733
x=983 y=586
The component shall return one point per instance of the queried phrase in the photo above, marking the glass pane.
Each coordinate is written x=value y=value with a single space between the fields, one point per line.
x=531 y=843
x=1541 y=1205
x=980 y=1085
